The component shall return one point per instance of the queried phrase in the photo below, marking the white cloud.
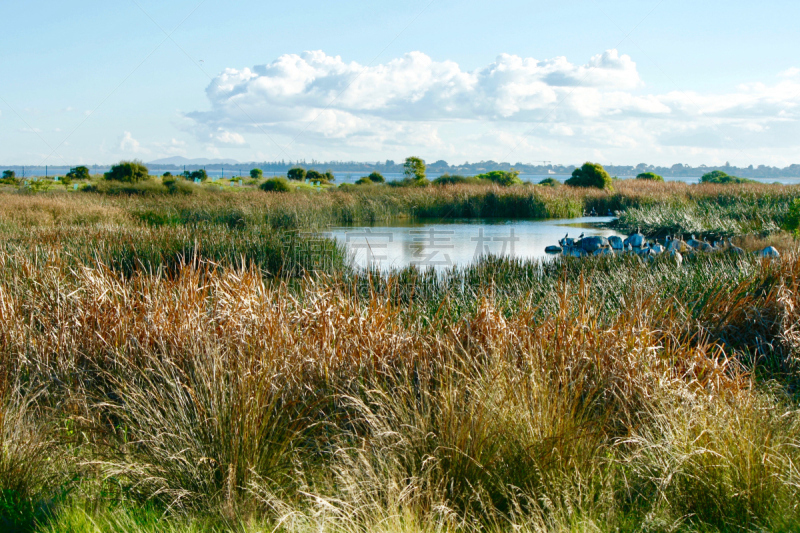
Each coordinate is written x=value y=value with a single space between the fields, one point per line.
x=228 y=137
x=414 y=101
x=131 y=145
x=790 y=72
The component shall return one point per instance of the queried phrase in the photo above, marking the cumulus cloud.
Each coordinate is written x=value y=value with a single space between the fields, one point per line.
x=228 y=137
x=131 y=145
x=414 y=100
x=345 y=96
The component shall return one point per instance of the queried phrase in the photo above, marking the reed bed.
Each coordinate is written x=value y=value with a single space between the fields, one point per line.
x=219 y=399
x=655 y=207
x=186 y=364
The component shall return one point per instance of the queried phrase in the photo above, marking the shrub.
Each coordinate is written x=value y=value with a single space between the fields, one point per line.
x=590 y=175
x=128 y=172
x=9 y=177
x=550 y=182
x=792 y=221
x=256 y=173
x=652 y=176
x=376 y=177
x=314 y=176
x=296 y=174
x=454 y=179
x=501 y=177
x=276 y=185
x=122 y=188
x=409 y=182
x=176 y=186
x=718 y=176
x=78 y=173
x=329 y=177
x=364 y=181
x=197 y=175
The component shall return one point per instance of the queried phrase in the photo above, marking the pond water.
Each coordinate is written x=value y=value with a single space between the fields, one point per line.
x=444 y=244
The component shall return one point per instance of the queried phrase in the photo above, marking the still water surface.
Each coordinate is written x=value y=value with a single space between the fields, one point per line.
x=445 y=244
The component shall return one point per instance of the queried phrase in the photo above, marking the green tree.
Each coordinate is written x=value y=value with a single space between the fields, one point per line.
x=550 y=182
x=414 y=168
x=652 y=176
x=256 y=173
x=166 y=175
x=329 y=177
x=315 y=176
x=276 y=185
x=128 y=171
x=296 y=174
x=376 y=177
x=77 y=173
x=590 y=175
x=9 y=176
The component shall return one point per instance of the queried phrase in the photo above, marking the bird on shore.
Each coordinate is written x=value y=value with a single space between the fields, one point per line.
x=581 y=236
x=734 y=249
x=676 y=255
x=693 y=243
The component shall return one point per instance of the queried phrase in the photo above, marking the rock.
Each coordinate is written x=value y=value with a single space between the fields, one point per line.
x=769 y=251
x=574 y=252
x=657 y=248
x=636 y=240
x=590 y=244
x=553 y=250
x=615 y=242
x=604 y=251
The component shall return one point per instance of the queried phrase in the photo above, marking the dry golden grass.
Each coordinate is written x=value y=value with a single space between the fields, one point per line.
x=596 y=395
x=325 y=408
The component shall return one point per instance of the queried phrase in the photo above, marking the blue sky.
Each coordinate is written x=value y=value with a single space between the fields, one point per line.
x=618 y=82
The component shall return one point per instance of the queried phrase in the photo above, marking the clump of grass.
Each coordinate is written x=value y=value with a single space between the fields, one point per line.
x=32 y=480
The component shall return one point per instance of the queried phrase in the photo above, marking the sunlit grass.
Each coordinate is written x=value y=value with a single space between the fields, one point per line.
x=161 y=375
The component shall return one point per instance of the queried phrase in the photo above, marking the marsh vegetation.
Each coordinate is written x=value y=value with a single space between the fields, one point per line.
x=180 y=361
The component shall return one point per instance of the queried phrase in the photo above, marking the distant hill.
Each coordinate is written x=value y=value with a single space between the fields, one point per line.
x=180 y=160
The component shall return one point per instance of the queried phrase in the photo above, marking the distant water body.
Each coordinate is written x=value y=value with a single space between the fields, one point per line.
x=352 y=177
x=444 y=244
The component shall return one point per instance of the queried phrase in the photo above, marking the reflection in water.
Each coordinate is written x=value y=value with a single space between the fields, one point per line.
x=445 y=244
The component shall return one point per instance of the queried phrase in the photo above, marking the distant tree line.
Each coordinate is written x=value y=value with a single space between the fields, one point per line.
x=466 y=169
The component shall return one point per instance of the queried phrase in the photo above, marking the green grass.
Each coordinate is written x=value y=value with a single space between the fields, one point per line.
x=158 y=374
